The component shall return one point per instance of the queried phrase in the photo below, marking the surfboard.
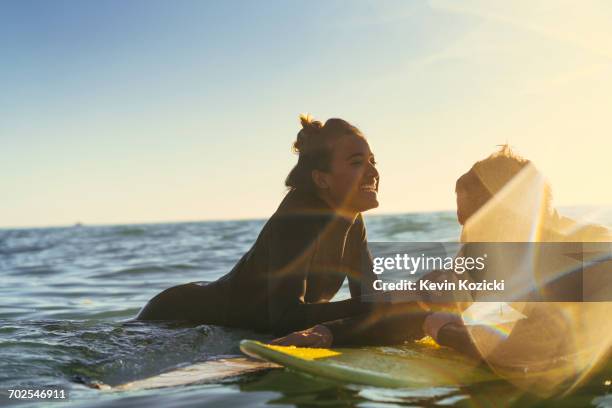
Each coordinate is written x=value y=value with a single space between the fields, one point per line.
x=199 y=373
x=422 y=364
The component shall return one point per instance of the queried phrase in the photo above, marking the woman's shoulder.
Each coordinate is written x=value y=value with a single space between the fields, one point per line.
x=297 y=201
x=560 y=228
x=591 y=233
x=300 y=211
x=581 y=232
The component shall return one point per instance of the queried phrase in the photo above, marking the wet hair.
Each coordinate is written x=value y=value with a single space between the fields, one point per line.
x=315 y=145
x=489 y=176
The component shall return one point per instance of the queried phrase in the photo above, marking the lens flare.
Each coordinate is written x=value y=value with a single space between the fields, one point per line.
x=559 y=344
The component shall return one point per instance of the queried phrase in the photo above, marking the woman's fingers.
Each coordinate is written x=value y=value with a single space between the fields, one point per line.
x=299 y=339
x=288 y=340
x=317 y=336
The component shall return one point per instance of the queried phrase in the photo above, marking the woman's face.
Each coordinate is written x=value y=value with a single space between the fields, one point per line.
x=462 y=206
x=468 y=203
x=352 y=181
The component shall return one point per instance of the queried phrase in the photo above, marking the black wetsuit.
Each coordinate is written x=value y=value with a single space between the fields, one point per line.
x=285 y=281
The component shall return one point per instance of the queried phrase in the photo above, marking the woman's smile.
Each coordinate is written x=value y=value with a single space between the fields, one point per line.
x=371 y=187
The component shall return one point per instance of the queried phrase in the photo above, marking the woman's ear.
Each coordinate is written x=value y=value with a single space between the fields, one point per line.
x=319 y=179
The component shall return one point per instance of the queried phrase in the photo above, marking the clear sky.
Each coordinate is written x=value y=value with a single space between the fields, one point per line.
x=142 y=111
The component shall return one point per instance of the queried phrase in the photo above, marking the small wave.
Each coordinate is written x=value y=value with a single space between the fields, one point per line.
x=23 y=249
x=36 y=270
x=120 y=313
x=131 y=231
x=399 y=226
x=146 y=270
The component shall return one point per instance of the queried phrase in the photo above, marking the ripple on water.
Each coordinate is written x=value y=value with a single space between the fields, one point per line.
x=146 y=270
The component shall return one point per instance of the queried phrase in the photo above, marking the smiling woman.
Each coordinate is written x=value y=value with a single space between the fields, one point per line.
x=353 y=184
x=305 y=251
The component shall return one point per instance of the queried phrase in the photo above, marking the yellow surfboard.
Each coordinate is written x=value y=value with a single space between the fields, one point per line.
x=421 y=364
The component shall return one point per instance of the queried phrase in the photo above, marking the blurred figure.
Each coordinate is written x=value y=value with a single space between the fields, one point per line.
x=504 y=198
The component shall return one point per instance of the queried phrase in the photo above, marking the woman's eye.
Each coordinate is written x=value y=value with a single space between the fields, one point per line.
x=356 y=163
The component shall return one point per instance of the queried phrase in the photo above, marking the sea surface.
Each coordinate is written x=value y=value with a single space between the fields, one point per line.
x=67 y=295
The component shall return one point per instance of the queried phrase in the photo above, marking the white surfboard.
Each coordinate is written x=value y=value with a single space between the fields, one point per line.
x=204 y=372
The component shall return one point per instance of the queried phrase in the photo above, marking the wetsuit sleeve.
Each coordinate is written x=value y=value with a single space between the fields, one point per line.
x=383 y=323
x=457 y=337
x=360 y=274
x=392 y=323
x=292 y=242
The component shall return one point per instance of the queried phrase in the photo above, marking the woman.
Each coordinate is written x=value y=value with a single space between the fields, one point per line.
x=314 y=240
x=504 y=198
x=552 y=344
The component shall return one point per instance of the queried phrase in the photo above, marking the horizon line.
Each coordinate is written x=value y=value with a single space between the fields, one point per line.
x=186 y=221
x=79 y=223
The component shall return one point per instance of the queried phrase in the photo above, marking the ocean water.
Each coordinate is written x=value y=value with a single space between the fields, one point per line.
x=66 y=295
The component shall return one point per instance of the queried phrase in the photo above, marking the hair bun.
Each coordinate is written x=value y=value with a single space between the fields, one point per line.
x=308 y=122
x=309 y=127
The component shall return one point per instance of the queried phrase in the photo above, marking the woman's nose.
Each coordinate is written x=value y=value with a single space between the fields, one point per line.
x=372 y=171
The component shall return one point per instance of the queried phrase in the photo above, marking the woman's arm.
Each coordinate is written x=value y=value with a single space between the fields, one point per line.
x=457 y=336
x=364 y=322
x=387 y=324
x=292 y=242
x=360 y=266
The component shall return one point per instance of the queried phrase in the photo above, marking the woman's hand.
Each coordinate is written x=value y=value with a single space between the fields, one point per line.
x=317 y=336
